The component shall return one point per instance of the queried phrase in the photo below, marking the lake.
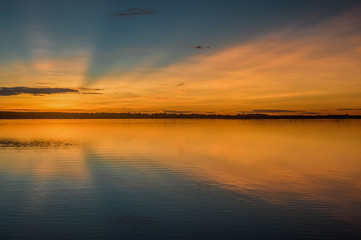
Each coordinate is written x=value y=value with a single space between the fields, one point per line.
x=180 y=179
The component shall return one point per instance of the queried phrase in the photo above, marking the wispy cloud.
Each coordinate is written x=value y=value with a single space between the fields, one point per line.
x=281 y=111
x=177 y=112
x=199 y=47
x=273 y=111
x=85 y=90
x=94 y=93
x=294 y=69
x=349 y=109
x=11 y=91
x=135 y=12
x=90 y=89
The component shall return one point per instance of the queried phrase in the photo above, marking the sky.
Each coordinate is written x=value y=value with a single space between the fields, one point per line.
x=180 y=56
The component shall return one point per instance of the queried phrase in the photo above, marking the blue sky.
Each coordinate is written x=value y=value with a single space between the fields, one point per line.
x=72 y=25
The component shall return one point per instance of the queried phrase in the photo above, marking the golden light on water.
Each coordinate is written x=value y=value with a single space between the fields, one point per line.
x=270 y=159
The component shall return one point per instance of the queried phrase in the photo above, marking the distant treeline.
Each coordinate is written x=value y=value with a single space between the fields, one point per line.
x=104 y=115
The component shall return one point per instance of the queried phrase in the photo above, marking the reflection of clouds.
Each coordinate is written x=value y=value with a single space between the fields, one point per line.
x=281 y=162
x=46 y=164
x=277 y=161
x=43 y=149
x=36 y=143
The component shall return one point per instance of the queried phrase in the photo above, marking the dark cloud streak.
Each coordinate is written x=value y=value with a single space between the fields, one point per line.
x=131 y=12
x=199 y=47
x=177 y=112
x=11 y=91
x=273 y=111
x=92 y=93
x=266 y=111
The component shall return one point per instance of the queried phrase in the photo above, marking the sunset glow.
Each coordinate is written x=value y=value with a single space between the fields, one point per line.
x=302 y=64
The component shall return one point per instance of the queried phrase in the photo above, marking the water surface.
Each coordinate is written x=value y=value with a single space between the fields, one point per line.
x=180 y=179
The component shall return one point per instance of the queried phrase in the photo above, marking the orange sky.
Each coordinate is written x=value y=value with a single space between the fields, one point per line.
x=308 y=69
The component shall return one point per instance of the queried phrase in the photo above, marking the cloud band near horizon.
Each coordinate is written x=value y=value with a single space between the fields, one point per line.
x=12 y=91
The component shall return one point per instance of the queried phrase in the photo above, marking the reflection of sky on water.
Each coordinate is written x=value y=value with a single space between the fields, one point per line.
x=196 y=179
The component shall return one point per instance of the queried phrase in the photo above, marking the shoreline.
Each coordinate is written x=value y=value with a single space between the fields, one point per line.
x=64 y=115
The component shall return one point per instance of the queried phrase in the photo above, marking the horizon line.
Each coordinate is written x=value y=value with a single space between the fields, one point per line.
x=163 y=115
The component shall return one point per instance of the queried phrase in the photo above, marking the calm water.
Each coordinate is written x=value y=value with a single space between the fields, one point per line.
x=180 y=179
